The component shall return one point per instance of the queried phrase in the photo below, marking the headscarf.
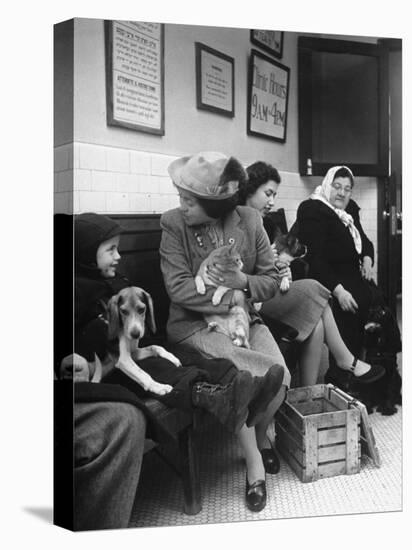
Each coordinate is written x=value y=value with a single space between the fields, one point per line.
x=322 y=193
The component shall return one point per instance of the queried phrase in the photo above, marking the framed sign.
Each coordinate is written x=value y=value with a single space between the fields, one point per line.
x=135 y=75
x=270 y=41
x=215 y=81
x=268 y=92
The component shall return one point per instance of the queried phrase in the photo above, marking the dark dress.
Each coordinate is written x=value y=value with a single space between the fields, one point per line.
x=333 y=260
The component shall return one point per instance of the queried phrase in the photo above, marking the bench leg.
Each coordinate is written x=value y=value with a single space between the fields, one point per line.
x=190 y=472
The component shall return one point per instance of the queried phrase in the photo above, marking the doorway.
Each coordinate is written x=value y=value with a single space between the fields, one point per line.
x=390 y=188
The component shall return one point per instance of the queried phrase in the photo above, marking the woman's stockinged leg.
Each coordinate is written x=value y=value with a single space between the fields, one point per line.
x=254 y=463
x=261 y=428
x=343 y=356
x=311 y=354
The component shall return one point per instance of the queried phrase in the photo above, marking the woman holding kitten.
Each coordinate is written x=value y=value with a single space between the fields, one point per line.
x=305 y=306
x=208 y=218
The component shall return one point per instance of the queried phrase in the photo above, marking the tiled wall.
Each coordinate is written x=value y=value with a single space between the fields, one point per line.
x=113 y=180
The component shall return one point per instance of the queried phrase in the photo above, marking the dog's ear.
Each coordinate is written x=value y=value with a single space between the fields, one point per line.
x=113 y=317
x=150 y=315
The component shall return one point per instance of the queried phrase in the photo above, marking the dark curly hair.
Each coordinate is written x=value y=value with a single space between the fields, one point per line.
x=218 y=209
x=258 y=174
x=343 y=173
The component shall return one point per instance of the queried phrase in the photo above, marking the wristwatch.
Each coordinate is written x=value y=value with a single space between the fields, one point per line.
x=246 y=290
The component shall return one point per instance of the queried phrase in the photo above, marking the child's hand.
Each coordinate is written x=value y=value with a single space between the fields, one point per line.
x=74 y=367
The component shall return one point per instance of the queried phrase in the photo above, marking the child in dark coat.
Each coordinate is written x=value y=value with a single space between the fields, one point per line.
x=241 y=398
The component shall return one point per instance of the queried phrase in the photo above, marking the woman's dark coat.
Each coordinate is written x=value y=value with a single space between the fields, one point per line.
x=333 y=260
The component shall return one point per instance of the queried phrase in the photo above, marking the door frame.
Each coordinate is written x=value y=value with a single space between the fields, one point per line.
x=387 y=221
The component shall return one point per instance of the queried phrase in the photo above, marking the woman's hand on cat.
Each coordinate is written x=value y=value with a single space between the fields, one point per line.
x=230 y=278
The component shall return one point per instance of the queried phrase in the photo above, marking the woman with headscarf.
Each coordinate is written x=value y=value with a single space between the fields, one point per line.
x=340 y=255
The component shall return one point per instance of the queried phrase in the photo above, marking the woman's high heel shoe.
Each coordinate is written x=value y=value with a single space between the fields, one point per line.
x=373 y=374
x=270 y=460
x=256 y=495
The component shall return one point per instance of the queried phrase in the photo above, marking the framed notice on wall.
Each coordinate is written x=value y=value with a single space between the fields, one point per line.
x=271 y=41
x=215 y=75
x=268 y=92
x=135 y=75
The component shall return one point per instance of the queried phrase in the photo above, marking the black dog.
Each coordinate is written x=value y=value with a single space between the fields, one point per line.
x=382 y=341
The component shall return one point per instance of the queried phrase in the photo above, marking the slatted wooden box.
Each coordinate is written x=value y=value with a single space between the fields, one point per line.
x=318 y=432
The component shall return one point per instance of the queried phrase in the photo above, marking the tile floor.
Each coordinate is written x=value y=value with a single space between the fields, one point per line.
x=159 y=498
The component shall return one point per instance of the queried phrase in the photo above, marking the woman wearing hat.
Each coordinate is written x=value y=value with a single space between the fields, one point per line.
x=208 y=217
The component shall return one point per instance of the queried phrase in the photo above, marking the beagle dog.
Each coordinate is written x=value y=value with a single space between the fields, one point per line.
x=128 y=312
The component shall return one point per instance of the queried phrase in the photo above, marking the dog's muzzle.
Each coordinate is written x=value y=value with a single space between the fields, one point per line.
x=135 y=333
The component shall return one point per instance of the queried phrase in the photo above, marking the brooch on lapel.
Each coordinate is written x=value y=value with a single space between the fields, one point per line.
x=199 y=239
x=231 y=240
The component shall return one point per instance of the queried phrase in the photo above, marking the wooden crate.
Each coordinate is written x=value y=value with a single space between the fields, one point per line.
x=318 y=432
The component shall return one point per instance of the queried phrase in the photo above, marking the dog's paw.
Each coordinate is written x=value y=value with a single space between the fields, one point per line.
x=284 y=284
x=159 y=389
x=172 y=358
x=387 y=408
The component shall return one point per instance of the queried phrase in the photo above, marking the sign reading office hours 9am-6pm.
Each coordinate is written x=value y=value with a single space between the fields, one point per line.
x=268 y=97
x=135 y=75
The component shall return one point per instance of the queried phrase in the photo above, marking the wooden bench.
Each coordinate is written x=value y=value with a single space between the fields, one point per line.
x=140 y=263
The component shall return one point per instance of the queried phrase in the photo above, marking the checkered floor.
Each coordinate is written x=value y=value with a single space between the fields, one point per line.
x=159 y=499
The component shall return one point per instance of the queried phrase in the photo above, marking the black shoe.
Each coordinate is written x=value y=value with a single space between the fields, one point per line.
x=266 y=388
x=256 y=495
x=229 y=403
x=373 y=374
x=271 y=461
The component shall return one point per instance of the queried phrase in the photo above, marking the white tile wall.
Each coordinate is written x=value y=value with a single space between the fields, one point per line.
x=92 y=157
x=115 y=180
x=63 y=158
x=140 y=163
x=82 y=180
x=92 y=201
x=63 y=202
x=160 y=164
x=103 y=181
x=117 y=160
x=63 y=181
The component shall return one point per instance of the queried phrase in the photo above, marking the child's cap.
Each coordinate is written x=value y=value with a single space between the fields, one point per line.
x=90 y=231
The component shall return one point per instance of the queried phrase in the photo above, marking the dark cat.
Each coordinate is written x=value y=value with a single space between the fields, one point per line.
x=235 y=323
